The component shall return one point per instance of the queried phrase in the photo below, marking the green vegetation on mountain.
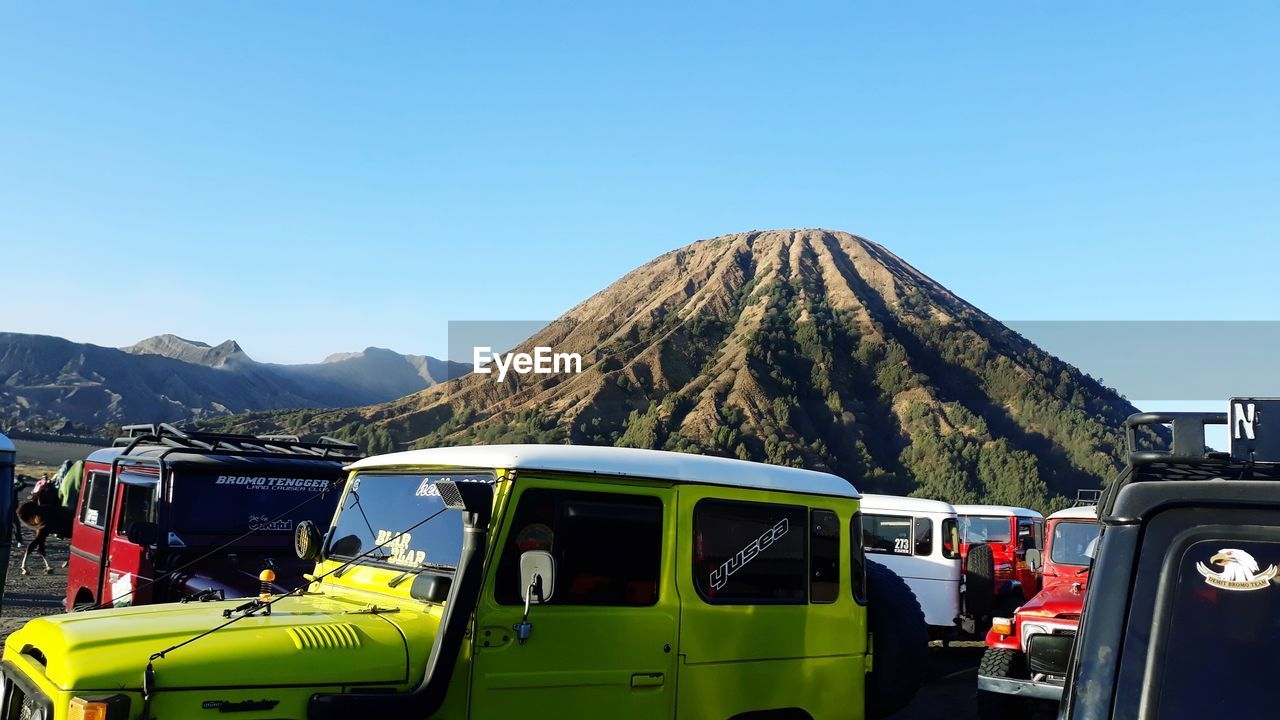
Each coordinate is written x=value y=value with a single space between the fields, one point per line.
x=805 y=348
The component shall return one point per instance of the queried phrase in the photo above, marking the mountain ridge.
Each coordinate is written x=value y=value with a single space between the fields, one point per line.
x=49 y=382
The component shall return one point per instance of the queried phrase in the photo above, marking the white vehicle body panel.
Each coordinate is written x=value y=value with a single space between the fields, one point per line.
x=935 y=579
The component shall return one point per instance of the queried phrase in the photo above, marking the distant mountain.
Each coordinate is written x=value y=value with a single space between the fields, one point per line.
x=49 y=382
x=797 y=347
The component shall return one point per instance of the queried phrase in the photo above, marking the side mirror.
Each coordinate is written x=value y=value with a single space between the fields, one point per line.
x=1033 y=560
x=537 y=577
x=537 y=584
x=307 y=540
x=145 y=534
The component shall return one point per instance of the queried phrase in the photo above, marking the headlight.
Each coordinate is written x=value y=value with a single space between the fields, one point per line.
x=1029 y=630
x=99 y=707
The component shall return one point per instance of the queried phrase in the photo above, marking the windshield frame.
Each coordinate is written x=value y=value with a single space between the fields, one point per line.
x=461 y=475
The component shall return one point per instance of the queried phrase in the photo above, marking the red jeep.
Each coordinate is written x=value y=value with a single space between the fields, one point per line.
x=1008 y=532
x=170 y=514
x=1026 y=655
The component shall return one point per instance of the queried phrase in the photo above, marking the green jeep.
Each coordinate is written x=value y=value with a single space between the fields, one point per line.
x=520 y=581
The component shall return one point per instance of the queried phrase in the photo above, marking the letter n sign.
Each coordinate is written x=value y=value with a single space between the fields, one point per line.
x=1251 y=438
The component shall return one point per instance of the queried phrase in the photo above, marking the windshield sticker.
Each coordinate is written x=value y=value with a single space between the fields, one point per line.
x=535 y=536
x=720 y=575
x=254 y=482
x=398 y=544
x=1239 y=571
x=91 y=517
x=427 y=489
x=263 y=522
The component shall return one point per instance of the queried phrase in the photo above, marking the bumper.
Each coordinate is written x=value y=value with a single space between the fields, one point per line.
x=20 y=697
x=1034 y=689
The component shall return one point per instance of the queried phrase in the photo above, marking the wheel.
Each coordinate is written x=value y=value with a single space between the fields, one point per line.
x=83 y=606
x=1000 y=662
x=979 y=583
x=899 y=642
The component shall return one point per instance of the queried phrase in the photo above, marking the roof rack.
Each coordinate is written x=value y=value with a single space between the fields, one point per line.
x=215 y=443
x=1087 y=497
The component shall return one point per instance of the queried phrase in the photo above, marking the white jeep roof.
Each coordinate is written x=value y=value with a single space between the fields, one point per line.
x=898 y=503
x=1001 y=510
x=618 y=462
x=1089 y=512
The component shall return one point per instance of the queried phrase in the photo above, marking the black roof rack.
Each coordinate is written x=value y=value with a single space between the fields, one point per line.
x=1187 y=457
x=1087 y=497
x=213 y=443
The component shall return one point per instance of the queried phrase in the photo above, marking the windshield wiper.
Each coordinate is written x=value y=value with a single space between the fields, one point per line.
x=417 y=569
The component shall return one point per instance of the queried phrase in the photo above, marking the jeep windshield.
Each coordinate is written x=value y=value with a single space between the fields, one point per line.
x=379 y=514
x=975 y=529
x=1071 y=542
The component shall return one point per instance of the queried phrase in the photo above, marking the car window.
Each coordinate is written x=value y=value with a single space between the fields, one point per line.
x=976 y=529
x=1220 y=651
x=93 y=512
x=749 y=553
x=824 y=556
x=924 y=536
x=857 y=560
x=1070 y=541
x=138 y=506
x=950 y=539
x=607 y=546
x=1026 y=534
x=887 y=534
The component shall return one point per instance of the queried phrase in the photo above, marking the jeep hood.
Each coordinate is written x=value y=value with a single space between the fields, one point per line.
x=1057 y=598
x=310 y=640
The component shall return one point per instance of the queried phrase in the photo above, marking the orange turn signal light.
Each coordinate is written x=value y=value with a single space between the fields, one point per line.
x=82 y=709
x=1002 y=626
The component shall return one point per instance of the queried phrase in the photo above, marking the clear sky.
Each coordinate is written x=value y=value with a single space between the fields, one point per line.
x=310 y=178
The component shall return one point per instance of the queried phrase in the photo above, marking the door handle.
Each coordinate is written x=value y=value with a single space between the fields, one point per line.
x=647 y=680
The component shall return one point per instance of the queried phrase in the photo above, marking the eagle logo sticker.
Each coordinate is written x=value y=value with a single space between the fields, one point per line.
x=1239 y=571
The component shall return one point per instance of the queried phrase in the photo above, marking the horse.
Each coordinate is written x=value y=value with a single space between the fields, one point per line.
x=44 y=514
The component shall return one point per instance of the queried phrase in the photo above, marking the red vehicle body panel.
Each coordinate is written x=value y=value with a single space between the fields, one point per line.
x=100 y=530
x=1060 y=601
x=1010 y=557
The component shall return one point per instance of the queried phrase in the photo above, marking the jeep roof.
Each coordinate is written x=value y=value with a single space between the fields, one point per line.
x=1088 y=512
x=1000 y=510
x=906 y=504
x=619 y=462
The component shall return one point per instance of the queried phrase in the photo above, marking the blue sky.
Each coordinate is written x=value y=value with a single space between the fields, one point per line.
x=311 y=178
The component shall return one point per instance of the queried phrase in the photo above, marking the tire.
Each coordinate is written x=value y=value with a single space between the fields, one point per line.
x=83 y=607
x=1000 y=662
x=979 y=584
x=899 y=642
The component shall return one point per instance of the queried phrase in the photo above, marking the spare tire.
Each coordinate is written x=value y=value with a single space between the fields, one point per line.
x=979 y=583
x=899 y=642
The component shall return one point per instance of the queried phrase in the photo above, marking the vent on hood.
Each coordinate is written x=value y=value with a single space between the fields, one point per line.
x=331 y=636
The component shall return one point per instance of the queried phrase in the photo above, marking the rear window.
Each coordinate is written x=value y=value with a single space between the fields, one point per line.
x=750 y=553
x=93 y=511
x=1221 y=652
x=975 y=529
x=887 y=534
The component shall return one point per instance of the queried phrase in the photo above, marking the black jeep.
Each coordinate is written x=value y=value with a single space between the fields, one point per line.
x=1182 y=616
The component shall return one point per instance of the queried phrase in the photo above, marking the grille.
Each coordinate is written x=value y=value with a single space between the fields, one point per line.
x=1065 y=633
x=333 y=636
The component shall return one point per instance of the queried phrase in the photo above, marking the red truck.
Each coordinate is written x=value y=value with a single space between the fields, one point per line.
x=1026 y=656
x=169 y=514
x=1005 y=534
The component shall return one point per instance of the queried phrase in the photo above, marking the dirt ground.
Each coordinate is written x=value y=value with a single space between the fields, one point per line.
x=949 y=692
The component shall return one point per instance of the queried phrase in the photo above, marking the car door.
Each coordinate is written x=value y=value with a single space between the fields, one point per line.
x=129 y=567
x=605 y=639
x=85 y=564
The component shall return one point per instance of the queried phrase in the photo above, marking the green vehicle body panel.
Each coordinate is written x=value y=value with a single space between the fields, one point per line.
x=680 y=657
